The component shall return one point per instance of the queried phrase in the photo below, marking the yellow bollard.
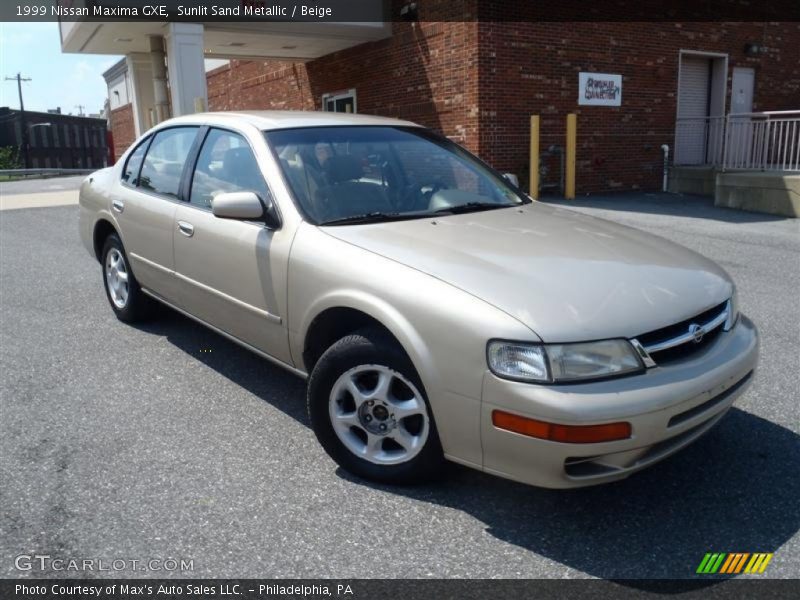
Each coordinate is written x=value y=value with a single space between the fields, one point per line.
x=572 y=142
x=534 y=157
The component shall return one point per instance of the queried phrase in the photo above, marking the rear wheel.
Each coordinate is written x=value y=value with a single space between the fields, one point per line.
x=369 y=411
x=127 y=300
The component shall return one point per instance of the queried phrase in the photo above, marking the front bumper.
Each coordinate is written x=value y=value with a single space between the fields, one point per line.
x=668 y=407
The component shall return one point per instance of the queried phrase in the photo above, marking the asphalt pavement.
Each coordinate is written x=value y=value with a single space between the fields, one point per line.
x=166 y=440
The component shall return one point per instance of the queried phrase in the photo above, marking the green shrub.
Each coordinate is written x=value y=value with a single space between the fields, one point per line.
x=9 y=158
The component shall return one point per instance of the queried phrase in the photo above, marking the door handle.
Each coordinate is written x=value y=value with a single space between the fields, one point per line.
x=118 y=205
x=185 y=228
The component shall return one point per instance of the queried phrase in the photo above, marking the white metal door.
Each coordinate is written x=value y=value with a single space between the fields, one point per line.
x=694 y=88
x=742 y=90
x=742 y=135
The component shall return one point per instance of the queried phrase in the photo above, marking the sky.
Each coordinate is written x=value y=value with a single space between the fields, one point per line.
x=65 y=80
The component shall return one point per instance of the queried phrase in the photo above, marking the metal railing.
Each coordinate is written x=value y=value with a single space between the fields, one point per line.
x=767 y=141
x=33 y=173
x=764 y=141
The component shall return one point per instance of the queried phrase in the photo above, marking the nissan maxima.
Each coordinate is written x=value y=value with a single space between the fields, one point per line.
x=436 y=310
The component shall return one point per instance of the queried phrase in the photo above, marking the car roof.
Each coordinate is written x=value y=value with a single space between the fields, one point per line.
x=287 y=119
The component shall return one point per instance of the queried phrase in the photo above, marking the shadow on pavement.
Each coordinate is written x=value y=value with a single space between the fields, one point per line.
x=734 y=490
x=676 y=205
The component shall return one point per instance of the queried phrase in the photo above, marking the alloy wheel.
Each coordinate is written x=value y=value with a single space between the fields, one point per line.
x=379 y=415
x=117 y=278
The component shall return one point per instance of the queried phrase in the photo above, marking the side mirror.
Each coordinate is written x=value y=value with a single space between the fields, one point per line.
x=237 y=205
x=512 y=178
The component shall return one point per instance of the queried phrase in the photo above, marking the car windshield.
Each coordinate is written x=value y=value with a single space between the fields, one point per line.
x=347 y=175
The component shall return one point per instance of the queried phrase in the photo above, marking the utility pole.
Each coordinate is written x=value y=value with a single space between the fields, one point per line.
x=19 y=79
x=80 y=108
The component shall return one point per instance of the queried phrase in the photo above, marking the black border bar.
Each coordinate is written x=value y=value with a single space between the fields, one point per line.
x=404 y=10
x=712 y=587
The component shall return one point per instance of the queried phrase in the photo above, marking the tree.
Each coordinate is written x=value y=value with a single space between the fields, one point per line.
x=9 y=157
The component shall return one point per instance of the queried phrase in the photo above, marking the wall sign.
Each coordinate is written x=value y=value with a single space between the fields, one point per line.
x=599 y=89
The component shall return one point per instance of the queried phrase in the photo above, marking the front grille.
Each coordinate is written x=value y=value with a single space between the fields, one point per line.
x=667 y=333
x=662 y=344
x=685 y=350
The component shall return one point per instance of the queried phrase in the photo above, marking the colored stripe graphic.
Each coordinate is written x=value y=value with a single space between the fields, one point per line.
x=711 y=562
x=733 y=563
x=758 y=563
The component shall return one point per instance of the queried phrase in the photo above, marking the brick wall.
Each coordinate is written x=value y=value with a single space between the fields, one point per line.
x=425 y=72
x=530 y=68
x=479 y=82
x=122 y=128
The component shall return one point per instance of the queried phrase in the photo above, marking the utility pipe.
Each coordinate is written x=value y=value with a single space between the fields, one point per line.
x=665 y=150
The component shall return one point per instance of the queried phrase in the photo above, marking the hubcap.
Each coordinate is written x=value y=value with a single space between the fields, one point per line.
x=379 y=415
x=117 y=278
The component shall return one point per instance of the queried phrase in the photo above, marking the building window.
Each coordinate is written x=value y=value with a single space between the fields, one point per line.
x=67 y=141
x=344 y=102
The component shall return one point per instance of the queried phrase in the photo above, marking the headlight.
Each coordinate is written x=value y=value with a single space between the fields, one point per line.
x=562 y=362
x=733 y=311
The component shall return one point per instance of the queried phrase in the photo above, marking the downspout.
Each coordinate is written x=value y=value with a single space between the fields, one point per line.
x=159 y=65
x=665 y=150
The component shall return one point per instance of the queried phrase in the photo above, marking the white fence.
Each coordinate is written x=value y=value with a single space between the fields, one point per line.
x=765 y=141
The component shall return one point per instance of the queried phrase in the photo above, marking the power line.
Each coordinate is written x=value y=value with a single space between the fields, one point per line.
x=19 y=79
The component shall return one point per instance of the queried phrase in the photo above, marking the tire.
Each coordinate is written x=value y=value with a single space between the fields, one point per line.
x=124 y=295
x=374 y=441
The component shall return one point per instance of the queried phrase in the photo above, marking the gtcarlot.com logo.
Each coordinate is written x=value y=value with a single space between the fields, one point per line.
x=45 y=562
x=732 y=563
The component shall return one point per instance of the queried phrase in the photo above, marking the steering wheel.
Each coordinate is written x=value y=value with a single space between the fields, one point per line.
x=417 y=196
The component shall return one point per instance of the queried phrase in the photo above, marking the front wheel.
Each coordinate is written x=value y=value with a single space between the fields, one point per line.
x=369 y=412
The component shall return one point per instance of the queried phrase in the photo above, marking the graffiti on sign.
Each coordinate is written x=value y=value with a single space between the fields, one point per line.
x=599 y=89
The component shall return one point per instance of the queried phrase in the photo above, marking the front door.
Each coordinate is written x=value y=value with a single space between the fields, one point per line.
x=231 y=272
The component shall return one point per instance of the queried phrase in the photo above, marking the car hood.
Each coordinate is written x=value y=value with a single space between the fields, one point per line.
x=564 y=274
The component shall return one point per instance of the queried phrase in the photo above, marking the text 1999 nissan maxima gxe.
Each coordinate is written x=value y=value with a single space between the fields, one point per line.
x=437 y=311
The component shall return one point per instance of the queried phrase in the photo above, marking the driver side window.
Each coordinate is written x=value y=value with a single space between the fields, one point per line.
x=226 y=164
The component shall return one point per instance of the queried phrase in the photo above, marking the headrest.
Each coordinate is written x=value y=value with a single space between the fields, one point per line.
x=239 y=165
x=343 y=167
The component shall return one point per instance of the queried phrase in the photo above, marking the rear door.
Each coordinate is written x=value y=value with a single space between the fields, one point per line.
x=145 y=202
x=231 y=273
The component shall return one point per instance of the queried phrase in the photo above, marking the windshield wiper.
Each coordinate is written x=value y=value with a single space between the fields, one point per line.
x=371 y=217
x=470 y=207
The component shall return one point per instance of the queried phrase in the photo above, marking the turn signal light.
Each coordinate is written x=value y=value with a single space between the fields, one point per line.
x=568 y=434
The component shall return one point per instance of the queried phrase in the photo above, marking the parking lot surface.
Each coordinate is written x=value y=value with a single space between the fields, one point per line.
x=166 y=440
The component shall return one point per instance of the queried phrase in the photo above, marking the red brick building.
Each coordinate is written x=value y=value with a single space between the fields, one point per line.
x=479 y=82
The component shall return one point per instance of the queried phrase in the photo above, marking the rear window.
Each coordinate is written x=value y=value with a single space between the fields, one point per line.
x=134 y=163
